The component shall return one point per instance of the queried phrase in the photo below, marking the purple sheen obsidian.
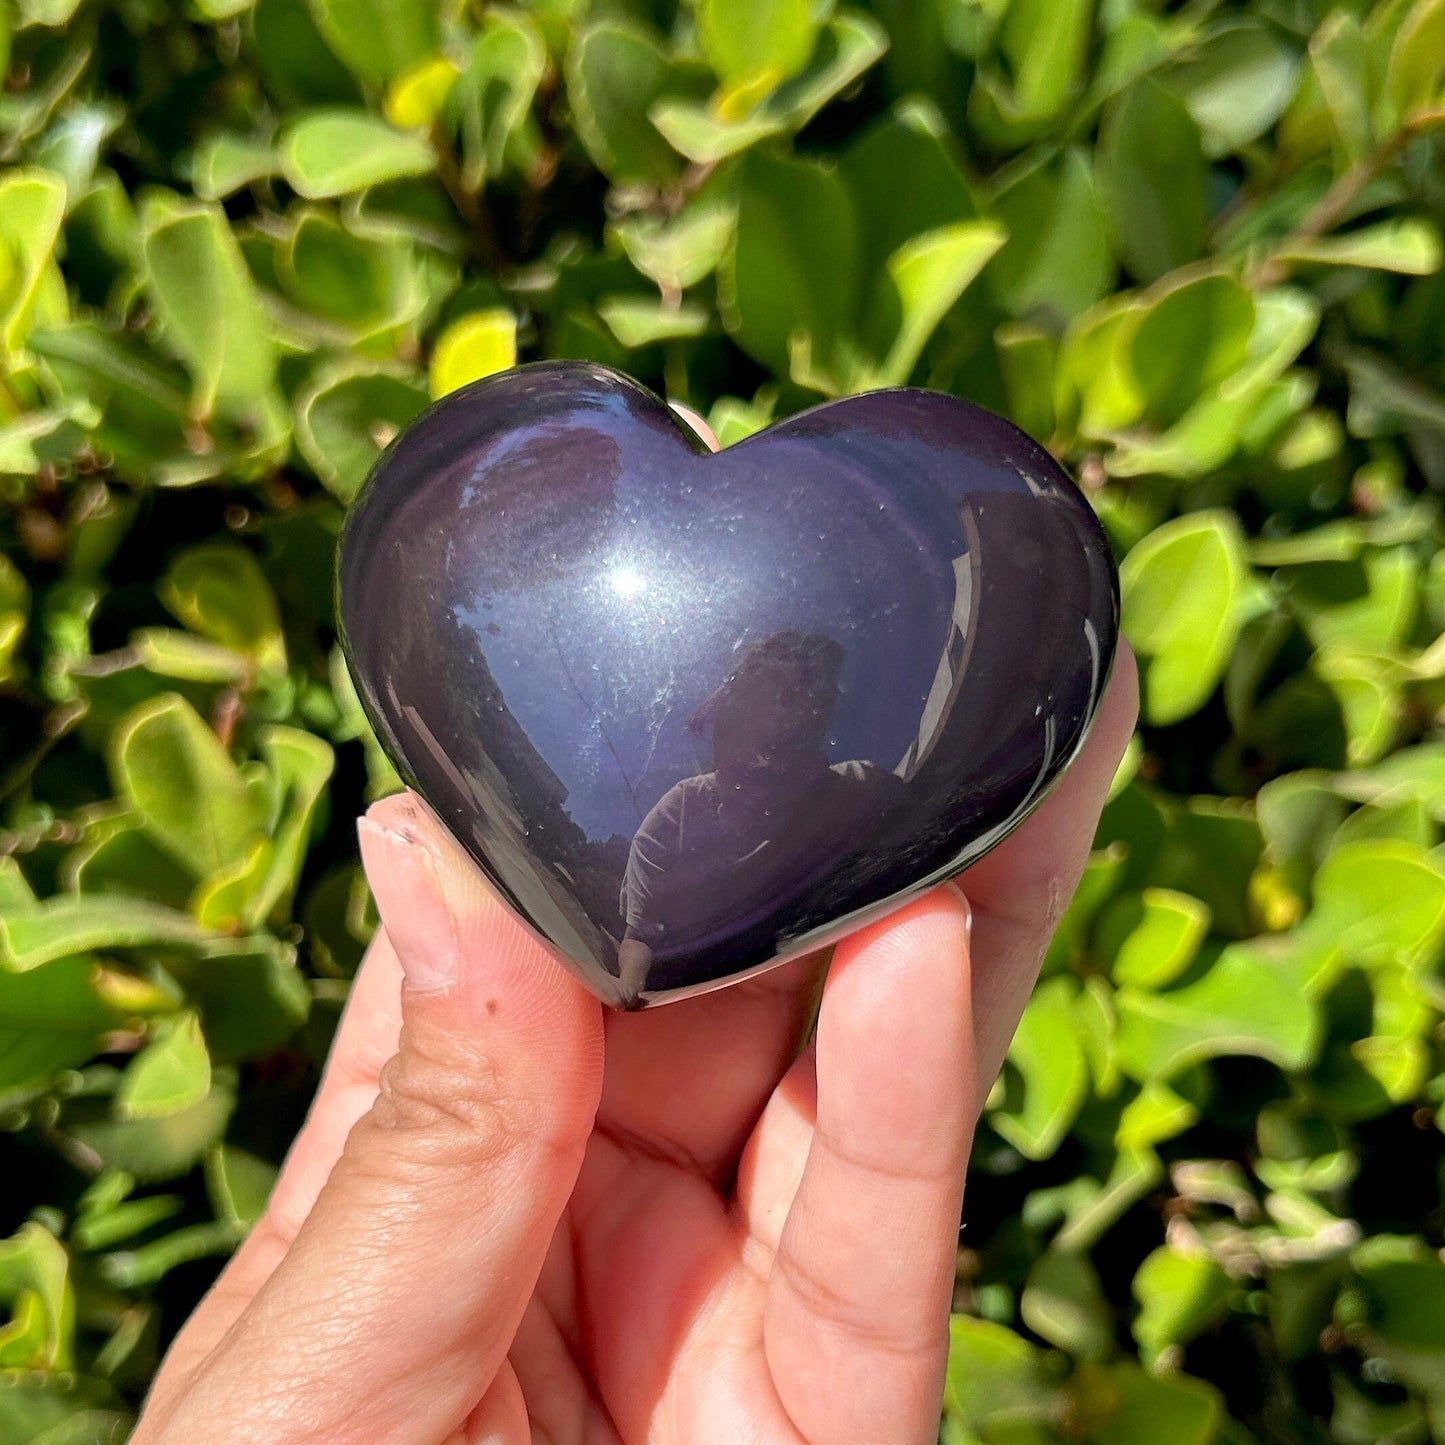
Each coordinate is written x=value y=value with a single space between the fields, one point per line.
x=696 y=714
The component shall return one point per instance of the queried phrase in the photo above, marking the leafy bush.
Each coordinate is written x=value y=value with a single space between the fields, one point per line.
x=1195 y=248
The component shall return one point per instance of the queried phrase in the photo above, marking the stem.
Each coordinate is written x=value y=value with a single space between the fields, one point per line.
x=469 y=206
x=1334 y=205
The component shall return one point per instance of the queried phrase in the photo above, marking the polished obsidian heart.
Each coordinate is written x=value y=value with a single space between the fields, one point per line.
x=694 y=714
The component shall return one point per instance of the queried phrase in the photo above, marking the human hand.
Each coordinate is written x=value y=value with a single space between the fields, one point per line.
x=513 y=1216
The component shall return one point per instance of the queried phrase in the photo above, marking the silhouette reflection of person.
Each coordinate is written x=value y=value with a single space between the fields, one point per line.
x=726 y=850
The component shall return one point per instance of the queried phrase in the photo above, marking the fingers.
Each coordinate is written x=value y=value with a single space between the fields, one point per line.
x=856 y=1322
x=688 y=1081
x=1019 y=891
x=390 y=1315
x=366 y=1039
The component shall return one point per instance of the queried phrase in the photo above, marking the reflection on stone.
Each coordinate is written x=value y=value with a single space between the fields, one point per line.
x=723 y=855
x=695 y=714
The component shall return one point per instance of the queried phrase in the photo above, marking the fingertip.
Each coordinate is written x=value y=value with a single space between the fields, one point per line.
x=902 y=932
x=455 y=937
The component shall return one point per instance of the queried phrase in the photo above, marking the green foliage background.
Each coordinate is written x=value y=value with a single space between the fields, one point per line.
x=1196 y=248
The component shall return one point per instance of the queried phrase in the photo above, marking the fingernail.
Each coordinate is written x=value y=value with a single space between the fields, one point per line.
x=967 y=909
x=405 y=875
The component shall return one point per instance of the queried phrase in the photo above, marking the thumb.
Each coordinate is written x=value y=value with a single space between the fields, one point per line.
x=394 y=1308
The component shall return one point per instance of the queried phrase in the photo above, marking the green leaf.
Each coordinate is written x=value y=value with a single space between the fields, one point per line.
x=295 y=63
x=1149 y=938
x=105 y=1221
x=66 y=925
x=1408 y=245
x=1297 y=814
x=1152 y=170
x=1125 y=1405
x=331 y=272
x=298 y=765
x=615 y=71
x=479 y=344
x=143 y=402
x=206 y=302
x=345 y=418
x=1182 y=589
x=335 y=151
x=1367 y=603
x=1236 y=83
x=1211 y=850
x=16 y=895
x=61 y=1409
x=239 y=1184
x=378 y=38
x=1059 y=258
x=905 y=177
x=164 y=1147
x=224 y=901
x=684 y=249
x=1028 y=362
x=1385 y=401
x=224 y=163
x=641 y=321
x=493 y=96
x=182 y=784
x=1380 y=899
x=925 y=276
x=51 y=1018
x=415 y=98
x=1414 y=774
x=120 y=858
x=1368 y=690
x=1046 y=44
x=220 y=591
x=1188 y=341
x=32 y=205
x=1180 y=1296
x=14 y=612
x=744 y=40
x=1404 y=1288
x=1415 y=75
x=1097 y=884
x=791 y=279
x=995 y=1377
x=1250 y=1001
x=250 y=995
x=35 y=1283
x=846 y=49
x=1063 y=1303
x=172 y=1073
x=1095 y=387
x=1340 y=55
x=1097 y=1206
x=1154 y=1114
x=1049 y=1057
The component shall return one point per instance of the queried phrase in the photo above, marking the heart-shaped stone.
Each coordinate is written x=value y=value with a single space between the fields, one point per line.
x=695 y=714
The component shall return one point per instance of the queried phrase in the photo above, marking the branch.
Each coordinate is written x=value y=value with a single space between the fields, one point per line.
x=1334 y=205
x=486 y=247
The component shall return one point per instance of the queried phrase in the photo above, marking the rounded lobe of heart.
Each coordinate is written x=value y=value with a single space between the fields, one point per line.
x=694 y=714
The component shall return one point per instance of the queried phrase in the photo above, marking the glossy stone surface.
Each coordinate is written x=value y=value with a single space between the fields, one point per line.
x=696 y=714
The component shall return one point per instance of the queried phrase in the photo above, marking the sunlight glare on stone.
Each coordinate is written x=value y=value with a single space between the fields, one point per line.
x=626 y=581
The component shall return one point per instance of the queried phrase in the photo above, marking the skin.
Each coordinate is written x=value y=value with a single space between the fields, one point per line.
x=513 y=1215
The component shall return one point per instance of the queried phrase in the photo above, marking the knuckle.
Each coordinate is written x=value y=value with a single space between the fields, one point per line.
x=447 y=1104
x=904 y=1332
